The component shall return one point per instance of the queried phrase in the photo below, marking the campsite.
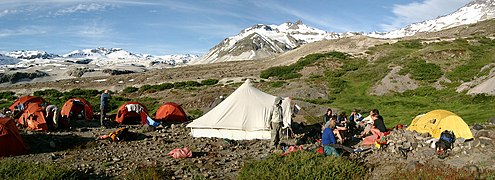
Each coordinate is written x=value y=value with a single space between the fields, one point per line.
x=269 y=100
x=222 y=154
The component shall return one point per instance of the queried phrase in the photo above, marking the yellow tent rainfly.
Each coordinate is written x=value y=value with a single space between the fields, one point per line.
x=437 y=121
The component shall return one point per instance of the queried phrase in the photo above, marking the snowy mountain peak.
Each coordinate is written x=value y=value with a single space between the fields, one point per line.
x=264 y=41
x=24 y=54
x=473 y=12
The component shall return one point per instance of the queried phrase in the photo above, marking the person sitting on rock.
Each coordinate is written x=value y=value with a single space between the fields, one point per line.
x=369 y=122
x=328 y=138
x=355 y=116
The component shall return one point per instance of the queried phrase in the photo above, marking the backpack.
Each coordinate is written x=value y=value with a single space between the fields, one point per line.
x=448 y=138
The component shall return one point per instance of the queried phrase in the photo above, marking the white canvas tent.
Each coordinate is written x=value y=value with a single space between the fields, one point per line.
x=243 y=115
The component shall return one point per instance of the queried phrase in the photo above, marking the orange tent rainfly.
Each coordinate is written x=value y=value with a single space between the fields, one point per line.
x=11 y=142
x=33 y=118
x=131 y=113
x=170 y=112
x=23 y=101
x=76 y=106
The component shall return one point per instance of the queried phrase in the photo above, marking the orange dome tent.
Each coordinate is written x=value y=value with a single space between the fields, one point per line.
x=131 y=113
x=10 y=140
x=77 y=105
x=33 y=118
x=23 y=101
x=171 y=112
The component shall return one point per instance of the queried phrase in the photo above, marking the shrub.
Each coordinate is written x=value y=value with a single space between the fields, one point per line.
x=164 y=86
x=145 y=88
x=192 y=84
x=179 y=85
x=130 y=89
x=421 y=70
x=336 y=85
x=8 y=95
x=277 y=84
x=303 y=165
x=84 y=93
x=195 y=113
x=16 y=169
x=209 y=82
x=48 y=92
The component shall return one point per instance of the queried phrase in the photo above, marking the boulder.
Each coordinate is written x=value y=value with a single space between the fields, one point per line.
x=485 y=141
x=482 y=133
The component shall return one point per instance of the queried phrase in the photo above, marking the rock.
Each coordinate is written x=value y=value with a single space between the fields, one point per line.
x=460 y=140
x=491 y=120
x=52 y=144
x=412 y=165
x=481 y=133
x=477 y=127
x=148 y=128
x=425 y=135
x=475 y=143
x=485 y=141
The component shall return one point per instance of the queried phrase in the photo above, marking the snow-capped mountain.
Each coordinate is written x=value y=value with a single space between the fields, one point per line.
x=23 y=54
x=5 y=60
x=262 y=41
x=475 y=11
x=98 y=57
x=112 y=56
x=101 y=53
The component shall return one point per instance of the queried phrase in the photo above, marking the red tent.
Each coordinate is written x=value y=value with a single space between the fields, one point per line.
x=33 y=118
x=11 y=142
x=24 y=101
x=76 y=106
x=171 y=112
x=131 y=113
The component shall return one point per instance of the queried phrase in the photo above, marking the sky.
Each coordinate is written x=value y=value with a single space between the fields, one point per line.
x=163 y=27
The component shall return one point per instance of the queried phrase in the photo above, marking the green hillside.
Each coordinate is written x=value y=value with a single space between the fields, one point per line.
x=350 y=82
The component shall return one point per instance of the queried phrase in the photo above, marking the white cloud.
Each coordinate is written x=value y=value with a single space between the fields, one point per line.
x=7 y=12
x=82 y=8
x=21 y=31
x=93 y=30
x=405 y=14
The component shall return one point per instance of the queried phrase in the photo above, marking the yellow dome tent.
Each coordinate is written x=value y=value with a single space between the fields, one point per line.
x=437 y=121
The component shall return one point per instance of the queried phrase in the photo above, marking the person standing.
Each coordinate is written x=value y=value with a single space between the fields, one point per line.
x=52 y=111
x=276 y=120
x=104 y=100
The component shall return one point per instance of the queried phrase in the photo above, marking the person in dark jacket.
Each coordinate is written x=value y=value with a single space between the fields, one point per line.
x=104 y=102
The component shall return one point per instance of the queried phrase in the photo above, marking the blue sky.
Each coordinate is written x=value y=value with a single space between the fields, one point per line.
x=162 y=27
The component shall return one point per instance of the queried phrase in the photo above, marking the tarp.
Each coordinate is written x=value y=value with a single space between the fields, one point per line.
x=131 y=112
x=77 y=105
x=437 y=121
x=241 y=116
x=11 y=143
x=33 y=118
x=24 y=101
x=170 y=112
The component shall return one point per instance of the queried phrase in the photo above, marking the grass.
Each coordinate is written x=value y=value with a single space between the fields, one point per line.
x=16 y=169
x=303 y=165
x=440 y=173
x=148 y=173
x=349 y=85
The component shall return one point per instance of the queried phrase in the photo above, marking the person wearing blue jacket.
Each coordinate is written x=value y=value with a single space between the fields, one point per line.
x=328 y=138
